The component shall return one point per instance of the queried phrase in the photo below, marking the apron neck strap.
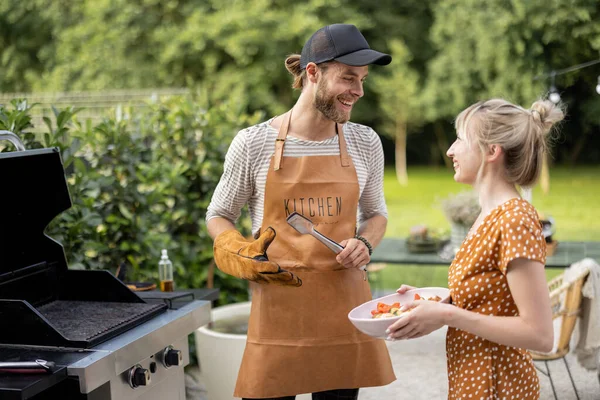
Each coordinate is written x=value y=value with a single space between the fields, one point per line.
x=344 y=158
x=280 y=141
x=283 y=131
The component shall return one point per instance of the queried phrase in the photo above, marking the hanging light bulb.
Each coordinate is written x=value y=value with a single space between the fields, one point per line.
x=598 y=85
x=554 y=96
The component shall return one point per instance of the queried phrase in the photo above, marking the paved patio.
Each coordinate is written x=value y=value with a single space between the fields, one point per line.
x=420 y=367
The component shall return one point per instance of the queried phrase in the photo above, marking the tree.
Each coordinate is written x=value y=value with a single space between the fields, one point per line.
x=506 y=47
x=230 y=48
x=24 y=31
x=460 y=52
x=398 y=93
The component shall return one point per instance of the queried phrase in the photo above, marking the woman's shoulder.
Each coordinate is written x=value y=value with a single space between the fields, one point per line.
x=517 y=214
x=520 y=233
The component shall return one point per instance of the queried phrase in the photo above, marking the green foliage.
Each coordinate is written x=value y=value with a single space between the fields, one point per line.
x=398 y=89
x=141 y=183
x=24 y=31
x=149 y=43
x=18 y=121
x=447 y=54
x=497 y=48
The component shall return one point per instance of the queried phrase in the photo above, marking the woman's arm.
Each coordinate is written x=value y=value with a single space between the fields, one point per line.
x=532 y=329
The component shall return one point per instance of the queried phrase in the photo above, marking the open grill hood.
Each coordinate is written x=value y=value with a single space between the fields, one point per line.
x=42 y=302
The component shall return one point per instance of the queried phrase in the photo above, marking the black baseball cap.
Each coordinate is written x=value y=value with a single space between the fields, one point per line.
x=343 y=43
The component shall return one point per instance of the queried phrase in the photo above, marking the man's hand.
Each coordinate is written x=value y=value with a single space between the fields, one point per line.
x=247 y=259
x=354 y=255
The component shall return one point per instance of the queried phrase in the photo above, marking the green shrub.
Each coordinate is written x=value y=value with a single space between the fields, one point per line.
x=139 y=183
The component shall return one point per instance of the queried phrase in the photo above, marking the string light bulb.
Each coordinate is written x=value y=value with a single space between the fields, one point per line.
x=554 y=96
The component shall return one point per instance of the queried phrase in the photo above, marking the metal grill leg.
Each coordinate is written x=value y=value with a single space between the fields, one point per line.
x=571 y=377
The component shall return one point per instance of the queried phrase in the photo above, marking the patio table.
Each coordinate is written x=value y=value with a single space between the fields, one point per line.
x=394 y=251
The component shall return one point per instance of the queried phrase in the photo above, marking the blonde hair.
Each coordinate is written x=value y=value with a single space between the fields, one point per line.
x=292 y=64
x=522 y=134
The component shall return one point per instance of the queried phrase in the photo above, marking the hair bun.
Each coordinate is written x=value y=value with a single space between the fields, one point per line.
x=546 y=113
x=537 y=115
x=292 y=64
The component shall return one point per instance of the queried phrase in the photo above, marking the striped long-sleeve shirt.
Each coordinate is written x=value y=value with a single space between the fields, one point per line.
x=247 y=163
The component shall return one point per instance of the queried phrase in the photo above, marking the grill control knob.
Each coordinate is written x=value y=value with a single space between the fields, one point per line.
x=172 y=357
x=139 y=376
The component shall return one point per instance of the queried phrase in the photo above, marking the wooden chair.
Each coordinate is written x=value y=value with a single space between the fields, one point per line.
x=565 y=298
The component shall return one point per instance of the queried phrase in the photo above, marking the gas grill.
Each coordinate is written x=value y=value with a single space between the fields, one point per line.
x=102 y=340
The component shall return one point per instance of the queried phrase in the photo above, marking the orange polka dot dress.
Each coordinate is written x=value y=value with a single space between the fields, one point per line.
x=477 y=368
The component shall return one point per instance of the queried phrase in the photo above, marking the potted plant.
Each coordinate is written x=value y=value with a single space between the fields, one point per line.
x=461 y=209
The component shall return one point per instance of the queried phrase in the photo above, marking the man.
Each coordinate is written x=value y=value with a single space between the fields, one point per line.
x=330 y=171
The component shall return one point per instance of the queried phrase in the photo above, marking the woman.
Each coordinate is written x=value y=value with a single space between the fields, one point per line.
x=500 y=303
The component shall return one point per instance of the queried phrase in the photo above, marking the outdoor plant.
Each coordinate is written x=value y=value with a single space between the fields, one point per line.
x=139 y=183
x=461 y=208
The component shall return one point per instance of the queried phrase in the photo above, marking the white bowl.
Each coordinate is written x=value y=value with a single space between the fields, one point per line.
x=362 y=319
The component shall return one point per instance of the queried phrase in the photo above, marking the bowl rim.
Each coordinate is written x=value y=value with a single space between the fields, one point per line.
x=380 y=299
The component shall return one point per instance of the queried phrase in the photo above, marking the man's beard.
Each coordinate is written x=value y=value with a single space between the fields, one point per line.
x=325 y=103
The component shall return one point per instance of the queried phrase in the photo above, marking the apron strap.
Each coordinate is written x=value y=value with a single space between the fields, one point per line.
x=345 y=159
x=280 y=141
x=283 y=131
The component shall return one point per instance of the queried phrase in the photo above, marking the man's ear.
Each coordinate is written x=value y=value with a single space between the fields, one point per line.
x=312 y=72
x=495 y=152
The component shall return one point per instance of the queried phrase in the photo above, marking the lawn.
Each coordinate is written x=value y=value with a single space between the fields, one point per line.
x=572 y=201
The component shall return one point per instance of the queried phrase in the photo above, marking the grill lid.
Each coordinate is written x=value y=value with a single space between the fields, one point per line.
x=48 y=304
x=34 y=192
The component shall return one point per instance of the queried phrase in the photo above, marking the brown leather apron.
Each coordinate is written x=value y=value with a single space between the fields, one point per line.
x=300 y=339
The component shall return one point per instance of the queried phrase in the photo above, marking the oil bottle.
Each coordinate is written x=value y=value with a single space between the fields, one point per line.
x=165 y=272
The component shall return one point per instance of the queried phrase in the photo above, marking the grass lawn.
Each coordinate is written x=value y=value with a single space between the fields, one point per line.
x=572 y=201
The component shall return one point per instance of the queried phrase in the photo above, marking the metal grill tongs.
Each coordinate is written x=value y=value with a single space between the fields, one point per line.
x=305 y=226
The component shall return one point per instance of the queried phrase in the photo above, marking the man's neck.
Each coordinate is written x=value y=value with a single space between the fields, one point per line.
x=308 y=123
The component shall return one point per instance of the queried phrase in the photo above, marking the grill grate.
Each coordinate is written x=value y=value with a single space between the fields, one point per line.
x=86 y=320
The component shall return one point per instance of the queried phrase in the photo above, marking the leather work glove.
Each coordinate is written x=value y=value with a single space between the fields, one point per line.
x=247 y=259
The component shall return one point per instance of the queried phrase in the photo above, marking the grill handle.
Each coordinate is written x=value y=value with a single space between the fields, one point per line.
x=13 y=138
x=24 y=367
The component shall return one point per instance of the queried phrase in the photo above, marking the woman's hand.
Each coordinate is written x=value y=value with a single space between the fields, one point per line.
x=424 y=317
x=404 y=288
